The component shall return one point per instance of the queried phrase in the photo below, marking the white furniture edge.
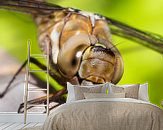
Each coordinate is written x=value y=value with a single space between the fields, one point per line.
x=15 y=117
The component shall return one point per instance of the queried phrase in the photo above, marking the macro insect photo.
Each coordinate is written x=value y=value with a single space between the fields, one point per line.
x=90 y=42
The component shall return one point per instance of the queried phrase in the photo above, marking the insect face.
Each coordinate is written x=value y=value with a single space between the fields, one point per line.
x=97 y=64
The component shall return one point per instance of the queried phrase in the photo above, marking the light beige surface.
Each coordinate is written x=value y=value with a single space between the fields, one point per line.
x=131 y=91
x=103 y=95
x=79 y=91
x=102 y=115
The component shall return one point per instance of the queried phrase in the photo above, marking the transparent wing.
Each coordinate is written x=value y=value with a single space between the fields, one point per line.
x=30 y=6
x=151 y=40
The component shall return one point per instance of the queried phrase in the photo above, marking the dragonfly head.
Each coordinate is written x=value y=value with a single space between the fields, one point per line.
x=100 y=64
x=94 y=63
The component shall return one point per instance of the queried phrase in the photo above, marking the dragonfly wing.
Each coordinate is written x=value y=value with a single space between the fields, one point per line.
x=30 y=6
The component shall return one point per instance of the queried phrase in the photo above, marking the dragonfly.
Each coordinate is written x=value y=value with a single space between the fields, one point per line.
x=81 y=49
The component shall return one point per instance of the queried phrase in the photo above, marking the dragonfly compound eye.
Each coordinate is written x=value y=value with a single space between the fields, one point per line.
x=69 y=56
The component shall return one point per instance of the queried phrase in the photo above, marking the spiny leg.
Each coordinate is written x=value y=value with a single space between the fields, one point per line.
x=54 y=97
x=60 y=80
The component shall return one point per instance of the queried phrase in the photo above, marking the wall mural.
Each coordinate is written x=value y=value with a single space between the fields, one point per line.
x=82 y=50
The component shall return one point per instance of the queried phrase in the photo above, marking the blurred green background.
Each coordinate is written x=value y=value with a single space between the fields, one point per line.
x=141 y=64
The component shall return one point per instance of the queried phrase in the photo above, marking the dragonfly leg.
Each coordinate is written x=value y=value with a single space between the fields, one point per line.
x=40 y=83
x=12 y=80
x=54 y=97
